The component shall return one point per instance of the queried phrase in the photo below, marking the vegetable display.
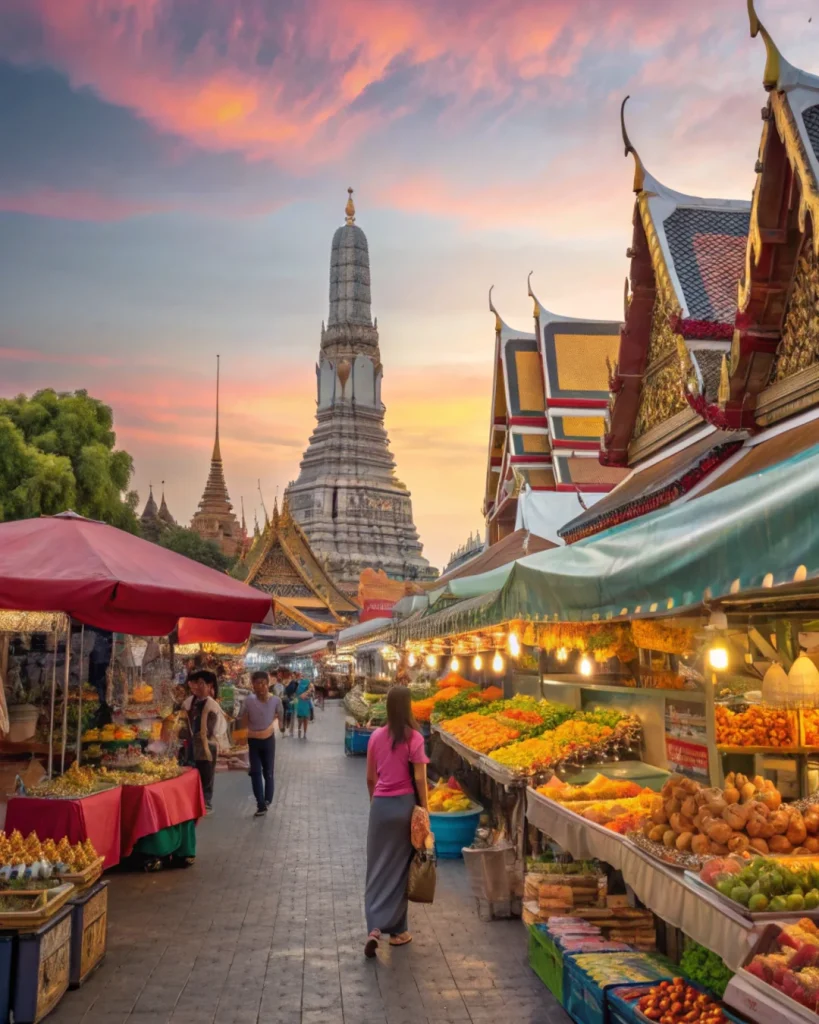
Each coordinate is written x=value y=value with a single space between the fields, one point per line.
x=706 y=968
x=791 y=966
x=759 y=726
x=672 y=1002
x=765 y=885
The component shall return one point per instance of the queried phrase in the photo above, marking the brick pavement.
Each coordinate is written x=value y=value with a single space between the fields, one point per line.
x=268 y=926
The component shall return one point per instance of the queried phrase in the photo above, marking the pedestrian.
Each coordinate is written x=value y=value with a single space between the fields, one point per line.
x=203 y=713
x=397 y=780
x=304 y=705
x=261 y=711
x=278 y=684
x=290 y=689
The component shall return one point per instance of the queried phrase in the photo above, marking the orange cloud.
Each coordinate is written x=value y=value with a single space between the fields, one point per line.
x=74 y=205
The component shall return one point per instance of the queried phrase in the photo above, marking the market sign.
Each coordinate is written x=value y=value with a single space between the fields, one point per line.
x=686 y=739
x=376 y=609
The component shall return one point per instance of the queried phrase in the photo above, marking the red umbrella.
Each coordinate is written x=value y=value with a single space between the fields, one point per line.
x=209 y=631
x=107 y=578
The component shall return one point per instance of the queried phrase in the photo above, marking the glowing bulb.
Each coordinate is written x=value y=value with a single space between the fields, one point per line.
x=585 y=666
x=514 y=645
x=718 y=658
x=562 y=654
x=477 y=663
x=497 y=663
x=454 y=664
x=411 y=660
x=431 y=661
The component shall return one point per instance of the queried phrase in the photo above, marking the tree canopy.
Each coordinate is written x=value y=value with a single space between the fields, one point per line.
x=186 y=542
x=57 y=452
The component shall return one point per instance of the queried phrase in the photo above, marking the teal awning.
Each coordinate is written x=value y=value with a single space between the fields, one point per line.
x=761 y=531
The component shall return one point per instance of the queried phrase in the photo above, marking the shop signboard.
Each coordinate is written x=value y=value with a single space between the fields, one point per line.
x=686 y=739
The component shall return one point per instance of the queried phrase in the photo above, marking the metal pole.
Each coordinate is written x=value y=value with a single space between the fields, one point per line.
x=79 y=703
x=51 y=716
x=65 y=694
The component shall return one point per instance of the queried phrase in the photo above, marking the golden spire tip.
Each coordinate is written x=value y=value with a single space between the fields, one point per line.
x=349 y=209
x=773 y=61
x=639 y=170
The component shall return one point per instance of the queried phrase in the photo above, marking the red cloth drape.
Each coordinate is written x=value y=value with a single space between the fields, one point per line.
x=212 y=631
x=94 y=817
x=147 y=809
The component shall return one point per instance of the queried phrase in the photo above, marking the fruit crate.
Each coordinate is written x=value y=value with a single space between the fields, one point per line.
x=546 y=960
x=761 y=917
x=356 y=739
x=623 y=1004
x=586 y=999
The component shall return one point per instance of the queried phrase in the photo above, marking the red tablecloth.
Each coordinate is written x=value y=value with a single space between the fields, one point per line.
x=94 y=817
x=147 y=809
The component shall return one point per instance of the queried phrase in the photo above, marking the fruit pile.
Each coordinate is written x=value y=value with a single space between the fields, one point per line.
x=74 y=782
x=490 y=694
x=145 y=772
x=573 y=740
x=671 y=1002
x=142 y=694
x=765 y=885
x=109 y=733
x=810 y=717
x=791 y=966
x=745 y=816
x=448 y=798
x=759 y=726
x=31 y=857
x=480 y=732
x=600 y=788
x=422 y=709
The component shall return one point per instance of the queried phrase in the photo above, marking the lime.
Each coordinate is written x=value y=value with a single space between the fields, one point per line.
x=758 y=903
x=778 y=904
x=796 y=901
x=812 y=899
x=741 y=894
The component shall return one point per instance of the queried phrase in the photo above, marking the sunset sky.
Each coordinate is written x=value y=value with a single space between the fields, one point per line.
x=172 y=171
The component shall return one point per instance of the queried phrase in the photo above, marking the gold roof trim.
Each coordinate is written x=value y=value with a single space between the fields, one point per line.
x=639 y=169
x=662 y=274
x=299 y=617
x=498 y=321
x=773 y=58
x=532 y=296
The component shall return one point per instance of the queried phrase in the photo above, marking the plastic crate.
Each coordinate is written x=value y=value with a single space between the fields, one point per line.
x=623 y=1004
x=546 y=960
x=586 y=1000
x=356 y=740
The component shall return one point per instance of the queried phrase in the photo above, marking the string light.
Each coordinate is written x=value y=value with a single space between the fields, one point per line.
x=718 y=657
x=514 y=645
x=585 y=666
x=454 y=664
x=431 y=661
x=477 y=663
x=411 y=659
x=562 y=654
x=497 y=663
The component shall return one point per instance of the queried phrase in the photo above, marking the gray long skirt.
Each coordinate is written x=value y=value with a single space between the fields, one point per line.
x=389 y=853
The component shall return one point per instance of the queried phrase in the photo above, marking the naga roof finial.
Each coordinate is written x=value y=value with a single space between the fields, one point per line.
x=531 y=294
x=773 y=62
x=349 y=209
x=498 y=321
x=639 y=170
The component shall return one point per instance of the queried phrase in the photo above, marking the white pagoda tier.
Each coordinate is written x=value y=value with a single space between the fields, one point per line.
x=354 y=510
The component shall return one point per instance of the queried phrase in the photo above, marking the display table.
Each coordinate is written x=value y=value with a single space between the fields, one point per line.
x=161 y=805
x=95 y=817
x=467 y=753
x=664 y=890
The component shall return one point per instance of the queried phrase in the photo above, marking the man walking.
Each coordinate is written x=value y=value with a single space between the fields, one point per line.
x=259 y=716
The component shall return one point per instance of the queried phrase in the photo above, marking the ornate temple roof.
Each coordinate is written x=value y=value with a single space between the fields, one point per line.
x=164 y=514
x=150 y=512
x=283 y=564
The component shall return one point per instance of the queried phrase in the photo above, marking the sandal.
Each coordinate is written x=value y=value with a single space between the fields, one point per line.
x=371 y=945
x=400 y=940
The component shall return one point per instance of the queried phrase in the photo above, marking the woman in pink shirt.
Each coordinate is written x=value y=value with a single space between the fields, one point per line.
x=396 y=779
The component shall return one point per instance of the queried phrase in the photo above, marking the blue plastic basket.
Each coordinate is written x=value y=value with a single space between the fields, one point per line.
x=356 y=740
x=454 y=831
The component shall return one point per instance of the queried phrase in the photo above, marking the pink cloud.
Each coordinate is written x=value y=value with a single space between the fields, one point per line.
x=74 y=205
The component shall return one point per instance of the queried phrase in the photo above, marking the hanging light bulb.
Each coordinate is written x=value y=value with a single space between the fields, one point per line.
x=718 y=657
x=514 y=645
x=454 y=664
x=585 y=666
x=477 y=663
x=411 y=659
x=431 y=660
x=562 y=654
x=497 y=663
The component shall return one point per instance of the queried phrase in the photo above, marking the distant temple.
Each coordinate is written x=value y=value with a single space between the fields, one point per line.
x=348 y=500
x=467 y=551
x=282 y=563
x=154 y=521
x=717 y=376
x=549 y=400
x=215 y=520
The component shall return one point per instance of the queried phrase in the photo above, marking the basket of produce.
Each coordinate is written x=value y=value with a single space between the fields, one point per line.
x=143 y=772
x=27 y=909
x=75 y=783
x=764 y=889
x=783 y=967
x=453 y=819
x=589 y=977
x=31 y=860
x=675 y=1002
x=356 y=739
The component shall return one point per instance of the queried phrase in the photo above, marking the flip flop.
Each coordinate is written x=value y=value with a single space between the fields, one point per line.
x=400 y=940
x=371 y=944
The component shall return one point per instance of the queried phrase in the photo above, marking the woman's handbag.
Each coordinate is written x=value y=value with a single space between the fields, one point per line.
x=421 y=878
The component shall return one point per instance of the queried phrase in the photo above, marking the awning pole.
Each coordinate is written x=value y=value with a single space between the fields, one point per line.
x=65 y=693
x=79 y=702
x=51 y=716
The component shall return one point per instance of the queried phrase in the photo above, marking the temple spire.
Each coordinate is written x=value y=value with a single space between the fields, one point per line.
x=349 y=209
x=217 y=451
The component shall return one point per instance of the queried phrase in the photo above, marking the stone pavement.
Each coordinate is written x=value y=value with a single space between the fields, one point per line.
x=268 y=926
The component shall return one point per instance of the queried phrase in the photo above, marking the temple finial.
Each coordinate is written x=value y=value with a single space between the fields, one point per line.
x=244 y=526
x=264 y=507
x=639 y=170
x=773 y=62
x=217 y=451
x=349 y=209
x=498 y=321
x=531 y=294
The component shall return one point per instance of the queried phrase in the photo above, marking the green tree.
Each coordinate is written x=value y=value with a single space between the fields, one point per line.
x=57 y=452
x=186 y=542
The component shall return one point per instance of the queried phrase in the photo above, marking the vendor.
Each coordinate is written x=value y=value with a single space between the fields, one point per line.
x=203 y=713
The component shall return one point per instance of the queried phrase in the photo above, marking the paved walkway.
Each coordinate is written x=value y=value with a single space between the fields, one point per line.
x=268 y=926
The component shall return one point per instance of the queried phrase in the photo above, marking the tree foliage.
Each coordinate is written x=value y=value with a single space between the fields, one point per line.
x=57 y=452
x=186 y=542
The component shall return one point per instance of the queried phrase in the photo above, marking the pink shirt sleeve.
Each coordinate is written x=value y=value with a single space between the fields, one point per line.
x=417 y=754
